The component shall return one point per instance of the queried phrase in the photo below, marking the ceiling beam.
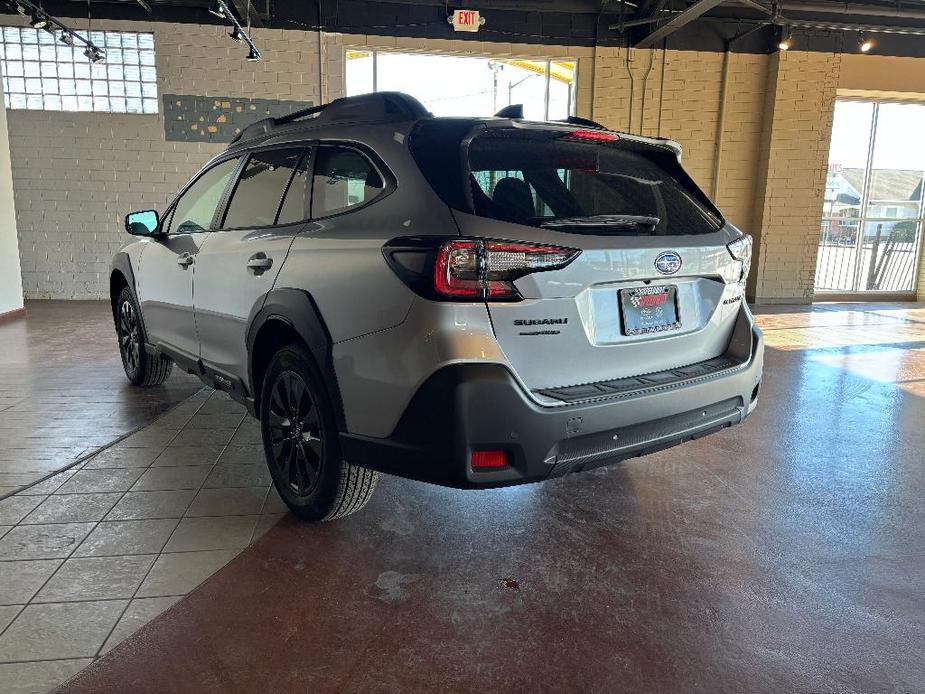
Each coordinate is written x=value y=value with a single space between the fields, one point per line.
x=247 y=12
x=755 y=6
x=696 y=10
x=144 y=4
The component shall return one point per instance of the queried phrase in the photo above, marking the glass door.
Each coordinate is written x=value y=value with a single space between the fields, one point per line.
x=873 y=210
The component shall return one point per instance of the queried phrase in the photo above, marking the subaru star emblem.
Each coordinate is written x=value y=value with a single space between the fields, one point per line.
x=668 y=263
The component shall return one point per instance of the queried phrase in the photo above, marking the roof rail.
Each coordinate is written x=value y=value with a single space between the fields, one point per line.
x=378 y=107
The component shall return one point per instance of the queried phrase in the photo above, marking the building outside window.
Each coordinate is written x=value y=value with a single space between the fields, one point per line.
x=42 y=73
x=464 y=86
x=873 y=210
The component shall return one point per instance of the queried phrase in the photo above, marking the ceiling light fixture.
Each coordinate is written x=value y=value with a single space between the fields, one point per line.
x=864 y=44
x=237 y=35
x=94 y=54
x=38 y=21
x=254 y=55
x=218 y=9
x=785 y=40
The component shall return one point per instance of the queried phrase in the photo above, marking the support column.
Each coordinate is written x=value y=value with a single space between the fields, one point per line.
x=11 y=302
x=799 y=106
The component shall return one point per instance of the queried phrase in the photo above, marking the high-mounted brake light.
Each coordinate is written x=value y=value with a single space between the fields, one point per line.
x=592 y=136
x=482 y=269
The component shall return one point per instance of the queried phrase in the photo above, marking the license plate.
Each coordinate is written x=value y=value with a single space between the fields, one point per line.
x=648 y=310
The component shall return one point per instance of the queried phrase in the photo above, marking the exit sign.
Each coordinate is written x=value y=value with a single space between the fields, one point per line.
x=466 y=20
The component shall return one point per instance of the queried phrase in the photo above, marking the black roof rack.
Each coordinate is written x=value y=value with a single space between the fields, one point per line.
x=371 y=108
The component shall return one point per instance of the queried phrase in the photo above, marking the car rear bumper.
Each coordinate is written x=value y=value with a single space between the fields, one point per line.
x=469 y=407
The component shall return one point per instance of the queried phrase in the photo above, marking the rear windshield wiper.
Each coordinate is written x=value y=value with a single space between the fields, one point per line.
x=632 y=221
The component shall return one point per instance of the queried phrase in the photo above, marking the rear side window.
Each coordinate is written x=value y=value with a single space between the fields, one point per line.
x=343 y=178
x=259 y=190
x=196 y=207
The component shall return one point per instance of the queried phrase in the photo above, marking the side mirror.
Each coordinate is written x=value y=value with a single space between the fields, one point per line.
x=144 y=223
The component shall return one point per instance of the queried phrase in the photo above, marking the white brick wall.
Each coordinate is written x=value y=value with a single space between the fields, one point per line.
x=76 y=175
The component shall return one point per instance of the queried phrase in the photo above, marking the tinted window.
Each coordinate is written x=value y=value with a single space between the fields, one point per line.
x=260 y=188
x=196 y=206
x=544 y=181
x=343 y=178
x=298 y=200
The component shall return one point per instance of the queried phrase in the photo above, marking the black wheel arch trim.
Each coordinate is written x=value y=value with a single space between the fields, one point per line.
x=296 y=308
x=121 y=262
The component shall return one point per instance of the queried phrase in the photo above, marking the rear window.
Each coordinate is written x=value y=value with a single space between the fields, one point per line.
x=547 y=179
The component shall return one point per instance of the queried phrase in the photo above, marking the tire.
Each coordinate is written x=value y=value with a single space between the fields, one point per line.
x=142 y=369
x=300 y=441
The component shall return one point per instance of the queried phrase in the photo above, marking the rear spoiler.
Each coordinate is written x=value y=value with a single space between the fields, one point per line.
x=516 y=112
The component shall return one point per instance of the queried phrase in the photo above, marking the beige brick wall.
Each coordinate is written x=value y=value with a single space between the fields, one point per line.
x=75 y=175
x=791 y=180
x=759 y=148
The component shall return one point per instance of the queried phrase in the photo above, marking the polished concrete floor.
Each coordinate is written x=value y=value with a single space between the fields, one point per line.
x=62 y=394
x=786 y=554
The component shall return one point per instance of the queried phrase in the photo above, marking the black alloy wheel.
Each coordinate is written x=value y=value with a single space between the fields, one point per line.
x=129 y=338
x=295 y=433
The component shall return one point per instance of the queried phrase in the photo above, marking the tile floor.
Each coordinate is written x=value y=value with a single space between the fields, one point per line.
x=62 y=390
x=89 y=556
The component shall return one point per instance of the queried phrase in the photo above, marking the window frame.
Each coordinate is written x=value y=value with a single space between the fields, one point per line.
x=307 y=149
x=389 y=182
x=572 y=102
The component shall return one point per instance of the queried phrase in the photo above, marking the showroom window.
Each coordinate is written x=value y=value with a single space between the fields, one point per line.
x=872 y=215
x=465 y=86
x=42 y=73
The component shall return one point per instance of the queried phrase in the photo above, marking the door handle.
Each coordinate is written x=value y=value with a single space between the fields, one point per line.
x=185 y=260
x=259 y=262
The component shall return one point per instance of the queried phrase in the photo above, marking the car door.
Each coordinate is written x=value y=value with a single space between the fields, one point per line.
x=238 y=265
x=165 y=281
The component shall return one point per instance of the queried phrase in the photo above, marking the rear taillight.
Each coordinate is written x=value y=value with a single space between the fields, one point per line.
x=741 y=250
x=476 y=268
x=471 y=269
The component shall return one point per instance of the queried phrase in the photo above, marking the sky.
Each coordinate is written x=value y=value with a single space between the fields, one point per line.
x=900 y=138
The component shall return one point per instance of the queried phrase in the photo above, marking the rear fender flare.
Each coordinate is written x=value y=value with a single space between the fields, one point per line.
x=298 y=310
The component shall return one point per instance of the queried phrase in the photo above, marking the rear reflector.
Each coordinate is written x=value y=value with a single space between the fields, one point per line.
x=488 y=460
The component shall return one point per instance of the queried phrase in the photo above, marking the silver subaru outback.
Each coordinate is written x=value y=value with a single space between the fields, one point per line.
x=472 y=302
